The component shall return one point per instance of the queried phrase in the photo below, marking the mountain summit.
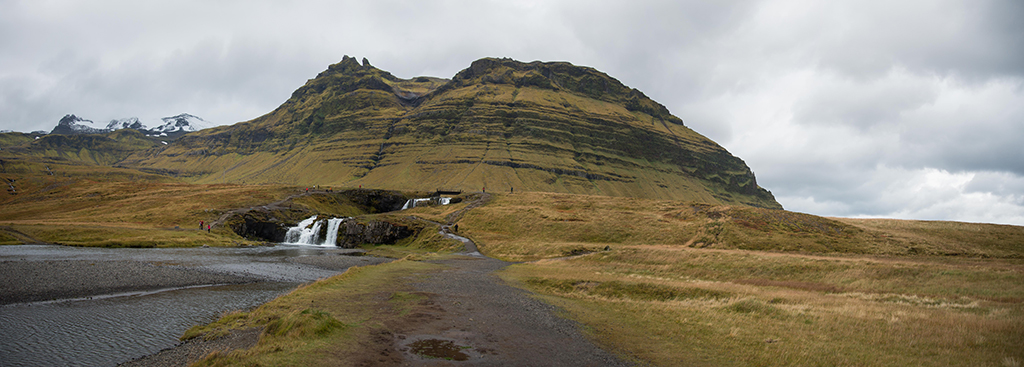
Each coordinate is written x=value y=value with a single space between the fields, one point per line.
x=71 y=124
x=497 y=125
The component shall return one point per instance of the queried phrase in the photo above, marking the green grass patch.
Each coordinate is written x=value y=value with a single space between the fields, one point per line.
x=321 y=323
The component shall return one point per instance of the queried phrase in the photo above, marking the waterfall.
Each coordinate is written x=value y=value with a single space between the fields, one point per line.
x=412 y=203
x=332 y=231
x=307 y=232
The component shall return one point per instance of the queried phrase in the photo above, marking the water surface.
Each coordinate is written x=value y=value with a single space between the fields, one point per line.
x=105 y=331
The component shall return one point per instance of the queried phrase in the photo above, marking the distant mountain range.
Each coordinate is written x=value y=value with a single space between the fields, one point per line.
x=171 y=127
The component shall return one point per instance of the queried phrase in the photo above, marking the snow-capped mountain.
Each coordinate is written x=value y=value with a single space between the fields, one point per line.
x=71 y=124
x=127 y=123
x=167 y=126
x=181 y=123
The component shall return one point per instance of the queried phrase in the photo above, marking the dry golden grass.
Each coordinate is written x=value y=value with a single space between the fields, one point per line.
x=102 y=206
x=533 y=225
x=695 y=284
x=672 y=306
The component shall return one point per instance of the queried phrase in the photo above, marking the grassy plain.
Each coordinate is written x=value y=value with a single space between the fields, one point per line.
x=666 y=282
x=689 y=284
x=88 y=205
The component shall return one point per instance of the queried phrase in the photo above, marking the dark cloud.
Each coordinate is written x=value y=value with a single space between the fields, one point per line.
x=908 y=109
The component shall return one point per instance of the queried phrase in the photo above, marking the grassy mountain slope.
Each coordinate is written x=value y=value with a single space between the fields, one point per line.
x=105 y=149
x=499 y=124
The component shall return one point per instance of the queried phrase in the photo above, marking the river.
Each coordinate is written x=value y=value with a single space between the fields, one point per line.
x=105 y=330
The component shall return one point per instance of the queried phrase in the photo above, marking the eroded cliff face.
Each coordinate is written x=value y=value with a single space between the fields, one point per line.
x=355 y=232
x=270 y=223
x=497 y=125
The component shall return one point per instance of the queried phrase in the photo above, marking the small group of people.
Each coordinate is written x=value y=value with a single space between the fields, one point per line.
x=201 y=226
x=511 y=190
x=317 y=187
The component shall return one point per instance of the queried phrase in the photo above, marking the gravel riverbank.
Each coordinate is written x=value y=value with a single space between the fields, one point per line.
x=32 y=281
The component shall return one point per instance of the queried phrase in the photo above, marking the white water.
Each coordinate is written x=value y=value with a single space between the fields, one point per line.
x=412 y=203
x=307 y=232
x=332 y=231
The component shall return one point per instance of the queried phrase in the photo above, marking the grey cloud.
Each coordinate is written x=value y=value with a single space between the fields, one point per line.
x=998 y=183
x=841 y=107
x=972 y=39
x=864 y=104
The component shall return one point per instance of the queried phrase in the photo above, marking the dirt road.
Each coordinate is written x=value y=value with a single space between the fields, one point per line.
x=474 y=318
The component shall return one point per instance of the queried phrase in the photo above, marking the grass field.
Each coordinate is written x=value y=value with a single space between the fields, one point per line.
x=666 y=282
x=88 y=205
x=690 y=284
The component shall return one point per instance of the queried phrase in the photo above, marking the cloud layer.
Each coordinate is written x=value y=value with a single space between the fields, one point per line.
x=910 y=109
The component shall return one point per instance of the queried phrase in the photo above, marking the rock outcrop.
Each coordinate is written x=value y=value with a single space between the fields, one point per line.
x=355 y=232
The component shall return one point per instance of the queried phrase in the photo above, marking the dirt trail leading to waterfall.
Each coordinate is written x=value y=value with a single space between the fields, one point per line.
x=471 y=317
x=466 y=316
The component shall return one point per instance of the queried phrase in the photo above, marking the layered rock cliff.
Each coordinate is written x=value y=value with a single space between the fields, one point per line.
x=498 y=125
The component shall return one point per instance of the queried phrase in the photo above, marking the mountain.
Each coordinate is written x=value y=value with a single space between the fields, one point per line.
x=125 y=123
x=183 y=123
x=498 y=125
x=71 y=124
x=170 y=127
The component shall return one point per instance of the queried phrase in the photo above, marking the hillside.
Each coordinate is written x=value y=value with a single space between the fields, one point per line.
x=498 y=125
x=104 y=149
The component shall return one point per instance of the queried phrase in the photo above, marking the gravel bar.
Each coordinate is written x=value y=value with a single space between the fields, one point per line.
x=34 y=281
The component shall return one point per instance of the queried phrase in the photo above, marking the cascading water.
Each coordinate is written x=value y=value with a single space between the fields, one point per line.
x=332 y=231
x=307 y=232
x=412 y=203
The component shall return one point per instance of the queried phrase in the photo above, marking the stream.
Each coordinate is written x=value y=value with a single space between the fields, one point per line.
x=105 y=331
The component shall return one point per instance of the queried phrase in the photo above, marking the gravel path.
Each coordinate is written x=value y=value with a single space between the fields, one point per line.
x=492 y=323
x=473 y=318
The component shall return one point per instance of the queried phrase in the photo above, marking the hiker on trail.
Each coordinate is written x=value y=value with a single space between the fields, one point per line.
x=455 y=228
x=207 y=228
x=511 y=189
x=200 y=225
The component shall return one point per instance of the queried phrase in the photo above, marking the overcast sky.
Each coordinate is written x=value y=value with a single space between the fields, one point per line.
x=901 y=109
